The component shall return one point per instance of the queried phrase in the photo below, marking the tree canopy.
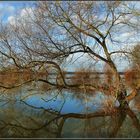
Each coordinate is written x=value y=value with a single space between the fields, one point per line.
x=52 y=32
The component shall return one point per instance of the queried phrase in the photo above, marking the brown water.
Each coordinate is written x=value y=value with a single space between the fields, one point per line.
x=31 y=112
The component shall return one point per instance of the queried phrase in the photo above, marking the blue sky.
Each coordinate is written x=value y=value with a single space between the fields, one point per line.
x=13 y=8
x=10 y=9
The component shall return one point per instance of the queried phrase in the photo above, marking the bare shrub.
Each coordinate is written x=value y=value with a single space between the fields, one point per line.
x=132 y=78
x=108 y=82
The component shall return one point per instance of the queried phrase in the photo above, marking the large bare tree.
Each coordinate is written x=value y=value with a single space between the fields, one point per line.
x=51 y=32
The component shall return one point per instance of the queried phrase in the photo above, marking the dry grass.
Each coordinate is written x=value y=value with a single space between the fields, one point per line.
x=109 y=102
x=45 y=87
x=13 y=76
x=108 y=77
x=85 y=77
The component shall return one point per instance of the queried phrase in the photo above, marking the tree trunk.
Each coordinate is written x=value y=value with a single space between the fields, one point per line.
x=120 y=88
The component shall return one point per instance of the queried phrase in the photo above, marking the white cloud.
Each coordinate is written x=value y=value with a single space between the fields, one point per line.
x=12 y=20
x=26 y=12
x=127 y=34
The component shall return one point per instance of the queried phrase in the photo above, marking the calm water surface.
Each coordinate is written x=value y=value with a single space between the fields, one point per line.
x=31 y=112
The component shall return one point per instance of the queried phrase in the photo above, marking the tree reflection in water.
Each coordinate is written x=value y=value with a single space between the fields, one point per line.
x=21 y=119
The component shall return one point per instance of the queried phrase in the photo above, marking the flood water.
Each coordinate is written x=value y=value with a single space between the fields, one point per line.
x=31 y=112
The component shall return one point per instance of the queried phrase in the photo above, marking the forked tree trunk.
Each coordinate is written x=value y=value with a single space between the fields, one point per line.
x=120 y=88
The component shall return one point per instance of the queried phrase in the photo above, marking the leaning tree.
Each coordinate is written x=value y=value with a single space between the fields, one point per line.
x=52 y=32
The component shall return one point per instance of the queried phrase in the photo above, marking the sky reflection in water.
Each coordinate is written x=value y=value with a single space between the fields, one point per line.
x=27 y=121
